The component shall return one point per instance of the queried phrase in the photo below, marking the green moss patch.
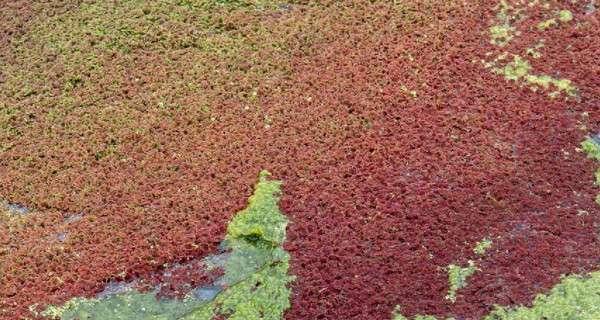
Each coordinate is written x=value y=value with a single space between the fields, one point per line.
x=574 y=298
x=457 y=277
x=501 y=35
x=520 y=70
x=562 y=16
x=256 y=276
x=502 y=31
x=482 y=246
x=592 y=148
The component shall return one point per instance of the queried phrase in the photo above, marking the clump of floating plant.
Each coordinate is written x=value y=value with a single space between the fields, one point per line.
x=591 y=146
x=457 y=277
x=254 y=286
x=533 y=51
x=575 y=297
x=482 y=246
x=562 y=16
x=520 y=70
x=502 y=31
x=258 y=265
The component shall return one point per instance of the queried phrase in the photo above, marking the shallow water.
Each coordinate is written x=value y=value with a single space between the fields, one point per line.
x=16 y=208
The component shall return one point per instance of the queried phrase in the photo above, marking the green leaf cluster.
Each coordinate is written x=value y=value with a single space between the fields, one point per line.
x=256 y=280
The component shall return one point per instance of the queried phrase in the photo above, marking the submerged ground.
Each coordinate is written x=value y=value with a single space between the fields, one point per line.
x=429 y=152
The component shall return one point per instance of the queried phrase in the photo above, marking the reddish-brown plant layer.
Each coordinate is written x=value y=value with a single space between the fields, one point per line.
x=384 y=187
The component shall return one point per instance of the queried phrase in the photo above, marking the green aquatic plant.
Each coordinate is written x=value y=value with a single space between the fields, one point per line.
x=482 y=246
x=546 y=24
x=501 y=35
x=519 y=70
x=576 y=297
x=565 y=16
x=256 y=280
x=255 y=236
x=502 y=31
x=592 y=148
x=561 y=16
x=457 y=277
x=127 y=305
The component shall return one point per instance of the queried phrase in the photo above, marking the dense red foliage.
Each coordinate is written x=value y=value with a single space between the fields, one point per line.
x=383 y=189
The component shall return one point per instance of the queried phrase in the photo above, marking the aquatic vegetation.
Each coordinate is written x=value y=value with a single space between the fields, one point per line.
x=591 y=146
x=482 y=246
x=519 y=69
x=255 y=284
x=575 y=297
x=561 y=16
x=501 y=34
x=152 y=118
x=457 y=278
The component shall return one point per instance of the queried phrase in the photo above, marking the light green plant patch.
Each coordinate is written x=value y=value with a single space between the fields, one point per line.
x=397 y=316
x=546 y=24
x=519 y=69
x=515 y=70
x=574 y=298
x=502 y=32
x=128 y=305
x=565 y=16
x=500 y=35
x=534 y=50
x=591 y=148
x=482 y=246
x=562 y=16
x=256 y=275
x=457 y=277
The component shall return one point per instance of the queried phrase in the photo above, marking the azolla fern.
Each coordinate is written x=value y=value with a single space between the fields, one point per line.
x=255 y=284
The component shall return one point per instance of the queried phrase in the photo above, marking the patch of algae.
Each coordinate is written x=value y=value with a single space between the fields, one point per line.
x=457 y=276
x=520 y=70
x=592 y=148
x=256 y=275
x=503 y=30
x=561 y=16
x=574 y=298
x=482 y=246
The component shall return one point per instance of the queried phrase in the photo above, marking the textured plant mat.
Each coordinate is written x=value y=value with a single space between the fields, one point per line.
x=430 y=154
